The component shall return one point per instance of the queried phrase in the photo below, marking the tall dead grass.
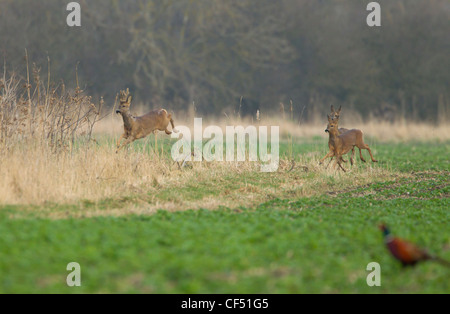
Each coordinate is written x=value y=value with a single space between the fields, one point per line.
x=40 y=126
x=96 y=173
x=33 y=176
x=46 y=116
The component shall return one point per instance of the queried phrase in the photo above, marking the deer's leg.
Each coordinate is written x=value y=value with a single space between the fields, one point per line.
x=352 y=160
x=340 y=164
x=127 y=141
x=330 y=154
x=370 y=153
x=120 y=139
x=360 y=155
x=365 y=146
x=335 y=164
x=167 y=131
x=329 y=163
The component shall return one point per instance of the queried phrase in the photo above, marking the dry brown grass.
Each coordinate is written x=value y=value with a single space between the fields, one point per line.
x=140 y=183
x=44 y=115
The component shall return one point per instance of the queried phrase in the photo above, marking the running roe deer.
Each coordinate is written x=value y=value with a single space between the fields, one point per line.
x=139 y=127
x=335 y=116
x=341 y=144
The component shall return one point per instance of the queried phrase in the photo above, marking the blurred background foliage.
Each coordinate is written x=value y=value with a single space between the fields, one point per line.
x=225 y=56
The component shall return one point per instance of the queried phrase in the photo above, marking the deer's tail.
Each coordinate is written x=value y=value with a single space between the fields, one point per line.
x=172 y=123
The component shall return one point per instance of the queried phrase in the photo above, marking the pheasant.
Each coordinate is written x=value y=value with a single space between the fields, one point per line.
x=407 y=253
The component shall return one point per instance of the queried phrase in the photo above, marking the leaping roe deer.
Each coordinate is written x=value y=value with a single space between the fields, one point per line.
x=341 y=144
x=139 y=127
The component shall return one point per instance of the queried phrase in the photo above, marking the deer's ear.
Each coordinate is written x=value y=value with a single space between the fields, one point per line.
x=332 y=109
x=329 y=118
x=129 y=98
x=339 y=111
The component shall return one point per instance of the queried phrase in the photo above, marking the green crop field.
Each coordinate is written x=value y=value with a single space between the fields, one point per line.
x=264 y=234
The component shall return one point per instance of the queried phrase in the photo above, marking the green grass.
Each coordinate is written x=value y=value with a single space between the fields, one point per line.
x=319 y=244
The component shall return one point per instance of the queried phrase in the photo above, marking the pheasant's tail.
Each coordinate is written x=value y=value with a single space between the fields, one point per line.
x=441 y=261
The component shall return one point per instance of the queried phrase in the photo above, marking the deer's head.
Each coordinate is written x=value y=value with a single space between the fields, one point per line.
x=125 y=101
x=332 y=125
x=335 y=114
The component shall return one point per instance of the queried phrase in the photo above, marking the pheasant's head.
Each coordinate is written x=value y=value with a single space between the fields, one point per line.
x=384 y=229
